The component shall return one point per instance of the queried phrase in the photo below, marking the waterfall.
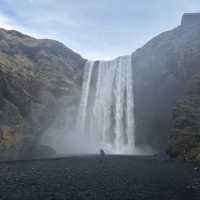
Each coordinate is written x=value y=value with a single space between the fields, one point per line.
x=82 y=115
x=106 y=110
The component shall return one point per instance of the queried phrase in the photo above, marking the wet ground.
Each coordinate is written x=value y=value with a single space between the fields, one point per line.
x=95 y=177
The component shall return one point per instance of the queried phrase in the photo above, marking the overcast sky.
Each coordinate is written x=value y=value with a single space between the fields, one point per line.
x=97 y=29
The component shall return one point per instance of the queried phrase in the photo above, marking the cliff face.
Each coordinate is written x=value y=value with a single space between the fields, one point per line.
x=34 y=76
x=185 y=137
x=162 y=69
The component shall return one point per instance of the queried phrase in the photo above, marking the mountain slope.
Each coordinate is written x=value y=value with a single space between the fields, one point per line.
x=162 y=69
x=184 y=140
x=34 y=76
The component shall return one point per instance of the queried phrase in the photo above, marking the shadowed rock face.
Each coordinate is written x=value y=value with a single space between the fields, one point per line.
x=190 y=19
x=185 y=137
x=162 y=69
x=34 y=76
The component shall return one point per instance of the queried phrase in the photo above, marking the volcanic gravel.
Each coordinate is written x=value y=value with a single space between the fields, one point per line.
x=98 y=177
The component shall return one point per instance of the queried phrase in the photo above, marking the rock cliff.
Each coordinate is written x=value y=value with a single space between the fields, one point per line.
x=184 y=140
x=162 y=68
x=34 y=75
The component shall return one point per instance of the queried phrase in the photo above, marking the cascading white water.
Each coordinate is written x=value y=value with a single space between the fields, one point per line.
x=106 y=112
x=84 y=97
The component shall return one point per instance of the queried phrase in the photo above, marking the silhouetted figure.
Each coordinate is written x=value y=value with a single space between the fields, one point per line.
x=102 y=153
x=197 y=169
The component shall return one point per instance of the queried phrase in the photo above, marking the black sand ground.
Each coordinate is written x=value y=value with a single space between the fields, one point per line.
x=93 y=177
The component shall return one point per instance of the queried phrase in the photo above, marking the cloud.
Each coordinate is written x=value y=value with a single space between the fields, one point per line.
x=7 y=23
x=96 y=29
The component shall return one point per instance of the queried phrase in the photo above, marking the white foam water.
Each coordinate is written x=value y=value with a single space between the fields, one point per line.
x=106 y=110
